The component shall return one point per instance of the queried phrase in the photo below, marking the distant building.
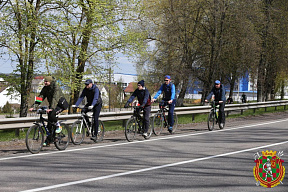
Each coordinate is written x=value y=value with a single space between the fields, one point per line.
x=131 y=87
x=7 y=95
x=37 y=84
x=116 y=78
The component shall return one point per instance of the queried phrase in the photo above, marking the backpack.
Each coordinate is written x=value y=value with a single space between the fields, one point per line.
x=99 y=97
x=62 y=103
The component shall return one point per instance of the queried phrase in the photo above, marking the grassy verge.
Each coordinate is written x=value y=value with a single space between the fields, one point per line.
x=7 y=135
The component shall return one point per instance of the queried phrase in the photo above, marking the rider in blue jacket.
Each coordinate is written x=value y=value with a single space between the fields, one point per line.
x=169 y=96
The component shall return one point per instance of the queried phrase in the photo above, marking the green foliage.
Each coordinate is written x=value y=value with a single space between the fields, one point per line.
x=7 y=108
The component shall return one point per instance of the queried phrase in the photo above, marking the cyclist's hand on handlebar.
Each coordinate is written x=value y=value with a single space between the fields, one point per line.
x=31 y=109
x=74 y=106
x=48 y=110
x=220 y=101
x=170 y=101
x=153 y=100
x=90 y=107
x=206 y=100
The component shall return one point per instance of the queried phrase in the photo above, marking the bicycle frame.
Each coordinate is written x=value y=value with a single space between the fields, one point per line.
x=137 y=116
x=215 y=109
x=214 y=115
x=41 y=122
x=160 y=119
x=162 y=109
x=134 y=125
x=78 y=128
x=39 y=131
x=85 y=123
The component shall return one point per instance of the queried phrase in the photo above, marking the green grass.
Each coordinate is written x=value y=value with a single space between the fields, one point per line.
x=113 y=125
x=9 y=134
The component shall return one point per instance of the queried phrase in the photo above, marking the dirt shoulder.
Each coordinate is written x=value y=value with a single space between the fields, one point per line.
x=9 y=148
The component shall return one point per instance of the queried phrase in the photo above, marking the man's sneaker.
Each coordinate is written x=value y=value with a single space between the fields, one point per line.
x=94 y=138
x=170 y=129
x=222 y=125
x=46 y=144
x=145 y=134
x=58 y=128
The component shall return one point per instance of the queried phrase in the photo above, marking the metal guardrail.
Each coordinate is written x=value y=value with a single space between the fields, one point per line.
x=24 y=122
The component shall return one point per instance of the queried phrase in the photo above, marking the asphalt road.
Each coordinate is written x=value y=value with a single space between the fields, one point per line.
x=221 y=160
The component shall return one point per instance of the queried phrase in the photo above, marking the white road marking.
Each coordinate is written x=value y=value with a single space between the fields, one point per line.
x=134 y=142
x=150 y=168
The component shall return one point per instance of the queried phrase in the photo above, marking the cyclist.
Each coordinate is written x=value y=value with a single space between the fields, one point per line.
x=244 y=98
x=94 y=103
x=168 y=89
x=57 y=103
x=219 y=91
x=144 y=99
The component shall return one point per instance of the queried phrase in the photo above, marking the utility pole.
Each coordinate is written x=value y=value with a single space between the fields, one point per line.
x=109 y=86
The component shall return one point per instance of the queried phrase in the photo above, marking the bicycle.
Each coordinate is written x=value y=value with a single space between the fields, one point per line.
x=78 y=128
x=35 y=134
x=132 y=123
x=160 y=119
x=213 y=115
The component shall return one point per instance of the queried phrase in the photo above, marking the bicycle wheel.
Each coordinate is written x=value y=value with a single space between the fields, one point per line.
x=62 y=139
x=175 y=125
x=158 y=123
x=101 y=131
x=77 y=132
x=211 y=121
x=34 y=139
x=130 y=129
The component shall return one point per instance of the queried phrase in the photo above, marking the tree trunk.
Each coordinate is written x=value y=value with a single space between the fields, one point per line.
x=282 y=89
x=83 y=51
x=182 y=93
x=232 y=84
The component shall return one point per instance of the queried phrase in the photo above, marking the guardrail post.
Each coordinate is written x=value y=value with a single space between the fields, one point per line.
x=193 y=117
x=254 y=110
x=124 y=123
x=241 y=111
x=265 y=109
x=275 y=108
x=284 y=107
x=227 y=114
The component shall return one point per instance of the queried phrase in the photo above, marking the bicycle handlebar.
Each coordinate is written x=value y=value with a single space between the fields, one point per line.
x=41 y=110
x=163 y=105
x=216 y=103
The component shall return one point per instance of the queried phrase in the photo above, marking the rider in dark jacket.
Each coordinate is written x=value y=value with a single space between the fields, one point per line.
x=94 y=103
x=144 y=100
x=219 y=93
x=57 y=103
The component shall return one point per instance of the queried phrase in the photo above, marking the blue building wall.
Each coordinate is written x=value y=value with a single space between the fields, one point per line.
x=195 y=87
x=244 y=83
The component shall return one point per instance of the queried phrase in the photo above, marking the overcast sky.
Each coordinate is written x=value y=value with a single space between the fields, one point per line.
x=124 y=65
